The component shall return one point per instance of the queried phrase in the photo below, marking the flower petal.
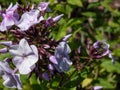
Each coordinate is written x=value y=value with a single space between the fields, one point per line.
x=13 y=81
x=53 y=59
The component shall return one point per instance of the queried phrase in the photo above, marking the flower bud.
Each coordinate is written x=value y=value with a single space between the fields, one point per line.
x=3 y=50
x=6 y=43
x=57 y=18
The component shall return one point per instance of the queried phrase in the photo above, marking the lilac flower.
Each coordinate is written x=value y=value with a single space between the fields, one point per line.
x=43 y=6
x=9 y=17
x=25 y=56
x=100 y=49
x=29 y=19
x=12 y=80
x=61 y=56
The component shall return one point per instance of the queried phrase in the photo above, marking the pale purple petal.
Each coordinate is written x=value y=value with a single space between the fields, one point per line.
x=25 y=56
x=25 y=67
x=6 y=23
x=13 y=81
x=64 y=66
x=15 y=52
x=105 y=53
x=28 y=19
x=5 y=66
x=11 y=9
x=65 y=49
x=17 y=61
x=24 y=64
x=69 y=62
x=24 y=47
x=8 y=18
x=35 y=50
x=10 y=6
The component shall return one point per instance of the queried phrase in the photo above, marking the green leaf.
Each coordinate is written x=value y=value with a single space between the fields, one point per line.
x=105 y=84
x=75 y=2
x=89 y=14
x=60 y=7
x=113 y=24
x=111 y=67
x=6 y=55
x=33 y=80
x=93 y=5
x=86 y=82
x=74 y=21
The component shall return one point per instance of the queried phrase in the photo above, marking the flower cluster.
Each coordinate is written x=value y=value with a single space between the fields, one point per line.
x=31 y=50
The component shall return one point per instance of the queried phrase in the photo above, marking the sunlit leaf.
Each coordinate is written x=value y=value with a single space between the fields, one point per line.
x=86 y=82
x=75 y=2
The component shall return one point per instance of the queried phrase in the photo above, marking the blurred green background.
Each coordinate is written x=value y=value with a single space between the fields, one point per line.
x=88 y=21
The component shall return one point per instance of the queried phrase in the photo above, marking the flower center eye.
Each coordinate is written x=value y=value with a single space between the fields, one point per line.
x=24 y=55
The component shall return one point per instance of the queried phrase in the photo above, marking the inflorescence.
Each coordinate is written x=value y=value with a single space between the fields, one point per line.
x=32 y=50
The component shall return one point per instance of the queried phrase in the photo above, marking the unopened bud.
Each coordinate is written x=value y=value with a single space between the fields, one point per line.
x=57 y=18
x=6 y=43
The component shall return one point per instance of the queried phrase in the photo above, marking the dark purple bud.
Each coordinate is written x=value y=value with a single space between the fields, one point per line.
x=45 y=76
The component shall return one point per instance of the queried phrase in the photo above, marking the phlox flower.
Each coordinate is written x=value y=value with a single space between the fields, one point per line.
x=25 y=56
x=61 y=59
x=10 y=17
x=11 y=79
x=29 y=19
